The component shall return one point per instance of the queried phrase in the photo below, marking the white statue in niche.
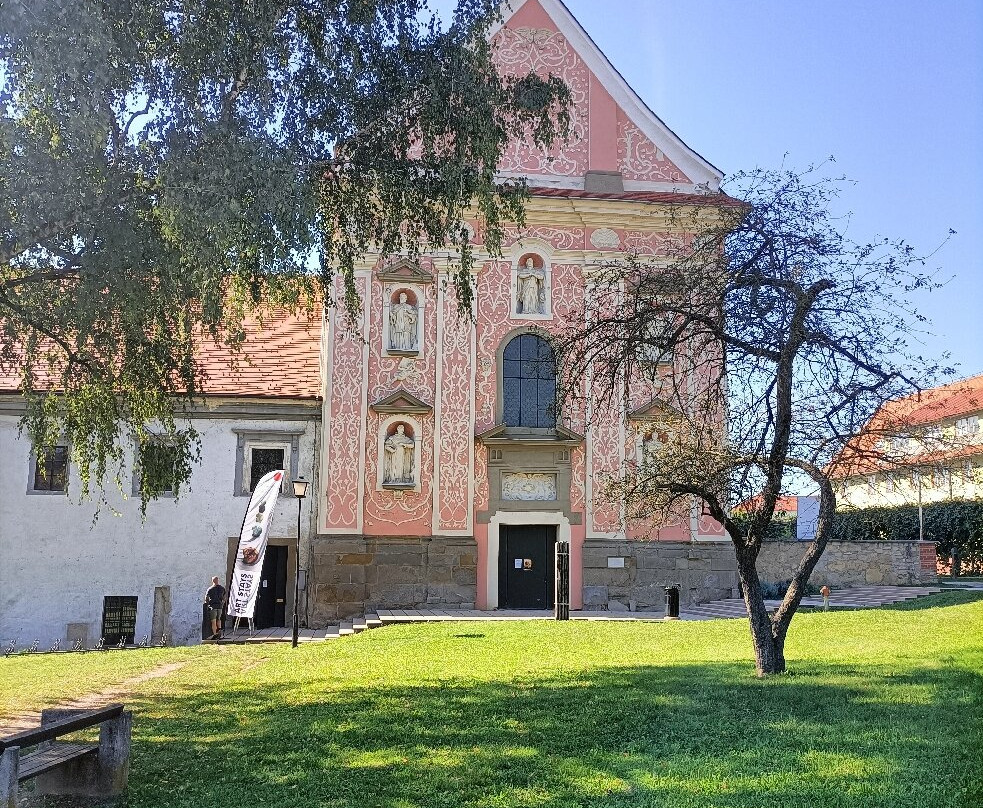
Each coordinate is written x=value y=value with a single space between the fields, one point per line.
x=530 y=289
x=403 y=317
x=651 y=447
x=399 y=458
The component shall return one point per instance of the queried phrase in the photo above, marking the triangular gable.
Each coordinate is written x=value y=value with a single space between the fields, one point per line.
x=406 y=271
x=501 y=434
x=401 y=403
x=656 y=409
x=613 y=129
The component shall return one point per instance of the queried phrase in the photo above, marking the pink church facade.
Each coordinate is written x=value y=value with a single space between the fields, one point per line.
x=447 y=472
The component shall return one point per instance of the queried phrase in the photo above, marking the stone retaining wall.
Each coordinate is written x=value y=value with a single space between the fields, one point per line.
x=353 y=574
x=704 y=571
x=853 y=563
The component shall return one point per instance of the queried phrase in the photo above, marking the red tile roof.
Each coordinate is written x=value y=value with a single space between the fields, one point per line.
x=280 y=358
x=787 y=504
x=905 y=416
x=948 y=401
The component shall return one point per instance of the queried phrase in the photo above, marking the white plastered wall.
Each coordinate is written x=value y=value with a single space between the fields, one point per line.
x=56 y=565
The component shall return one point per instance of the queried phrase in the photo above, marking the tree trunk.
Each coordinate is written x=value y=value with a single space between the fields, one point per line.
x=769 y=650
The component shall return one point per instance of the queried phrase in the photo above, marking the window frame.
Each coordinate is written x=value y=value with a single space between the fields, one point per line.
x=137 y=487
x=33 y=470
x=249 y=439
x=502 y=406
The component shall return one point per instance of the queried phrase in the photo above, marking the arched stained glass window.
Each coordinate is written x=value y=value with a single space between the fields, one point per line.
x=529 y=379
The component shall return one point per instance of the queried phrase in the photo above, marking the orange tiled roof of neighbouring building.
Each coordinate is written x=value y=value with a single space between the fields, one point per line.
x=280 y=358
x=908 y=414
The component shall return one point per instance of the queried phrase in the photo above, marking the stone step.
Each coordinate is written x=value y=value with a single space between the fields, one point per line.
x=346 y=629
x=359 y=624
x=372 y=620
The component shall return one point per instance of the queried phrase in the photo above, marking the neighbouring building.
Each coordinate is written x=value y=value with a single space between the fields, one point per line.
x=923 y=448
x=443 y=473
x=65 y=576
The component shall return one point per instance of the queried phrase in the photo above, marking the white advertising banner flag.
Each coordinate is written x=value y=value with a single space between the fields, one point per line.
x=252 y=545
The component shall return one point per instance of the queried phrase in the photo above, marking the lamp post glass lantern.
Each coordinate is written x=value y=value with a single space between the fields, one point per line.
x=300 y=491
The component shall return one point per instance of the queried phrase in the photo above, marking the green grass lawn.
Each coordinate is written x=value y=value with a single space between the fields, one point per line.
x=880 y=708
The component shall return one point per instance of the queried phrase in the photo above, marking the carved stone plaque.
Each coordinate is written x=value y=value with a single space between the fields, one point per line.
x=528 y=487
x=604 y=237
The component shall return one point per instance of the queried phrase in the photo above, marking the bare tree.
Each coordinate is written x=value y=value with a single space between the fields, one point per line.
x=774 y=338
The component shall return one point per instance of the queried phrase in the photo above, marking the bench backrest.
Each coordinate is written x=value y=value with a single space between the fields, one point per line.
x=55 y=729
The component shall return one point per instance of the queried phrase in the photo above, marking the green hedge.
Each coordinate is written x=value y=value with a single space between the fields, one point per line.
x=945 y=523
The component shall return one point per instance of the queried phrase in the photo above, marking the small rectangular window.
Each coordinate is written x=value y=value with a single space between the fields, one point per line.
x=496 y=454
x=51 y=470
x=261 y=461
x=157 y=467
x=119 y=619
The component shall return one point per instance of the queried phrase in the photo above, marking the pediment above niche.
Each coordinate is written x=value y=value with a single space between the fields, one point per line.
x=655 y=410
x=401 y=403
x=405 y=271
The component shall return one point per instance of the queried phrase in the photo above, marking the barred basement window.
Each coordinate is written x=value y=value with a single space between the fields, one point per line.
x=119 y=619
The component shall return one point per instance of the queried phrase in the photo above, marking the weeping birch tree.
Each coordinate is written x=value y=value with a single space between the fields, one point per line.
x=167 y=166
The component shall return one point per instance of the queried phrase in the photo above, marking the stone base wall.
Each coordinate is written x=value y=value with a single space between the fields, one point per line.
x=853 y=563
x=353 y=574
x=704 y=571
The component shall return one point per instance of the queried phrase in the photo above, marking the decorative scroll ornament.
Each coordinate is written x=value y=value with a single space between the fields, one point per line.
x=528 y=487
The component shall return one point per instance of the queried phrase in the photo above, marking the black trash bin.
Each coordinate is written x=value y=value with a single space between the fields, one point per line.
x=672 y=602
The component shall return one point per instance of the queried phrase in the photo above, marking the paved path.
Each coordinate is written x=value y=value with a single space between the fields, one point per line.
x=90 y=701
x=858 y=598
x=865 y=597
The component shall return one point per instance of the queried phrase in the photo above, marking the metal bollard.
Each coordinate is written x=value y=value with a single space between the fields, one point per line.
x=672 y=602
x=561 y=602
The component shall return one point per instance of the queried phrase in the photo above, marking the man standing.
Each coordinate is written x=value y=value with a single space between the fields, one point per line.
x=214 y=598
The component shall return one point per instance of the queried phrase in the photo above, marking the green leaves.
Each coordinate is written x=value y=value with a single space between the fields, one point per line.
x=167 y=167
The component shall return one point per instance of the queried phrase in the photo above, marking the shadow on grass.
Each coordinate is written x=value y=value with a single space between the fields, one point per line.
x=699 y=735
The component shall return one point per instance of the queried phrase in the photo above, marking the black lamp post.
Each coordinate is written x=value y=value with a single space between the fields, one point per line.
x=300 y=491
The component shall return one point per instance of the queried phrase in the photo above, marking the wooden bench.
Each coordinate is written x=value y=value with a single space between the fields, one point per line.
x=68 y=767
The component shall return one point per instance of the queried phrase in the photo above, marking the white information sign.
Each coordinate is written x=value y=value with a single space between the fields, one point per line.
x=252 y=545
x=807 y=514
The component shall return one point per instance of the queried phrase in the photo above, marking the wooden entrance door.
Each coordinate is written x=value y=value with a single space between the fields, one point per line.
x=526 y=562
x=271 y=602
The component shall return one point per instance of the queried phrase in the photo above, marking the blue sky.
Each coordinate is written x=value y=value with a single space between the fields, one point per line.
x=893 y=89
